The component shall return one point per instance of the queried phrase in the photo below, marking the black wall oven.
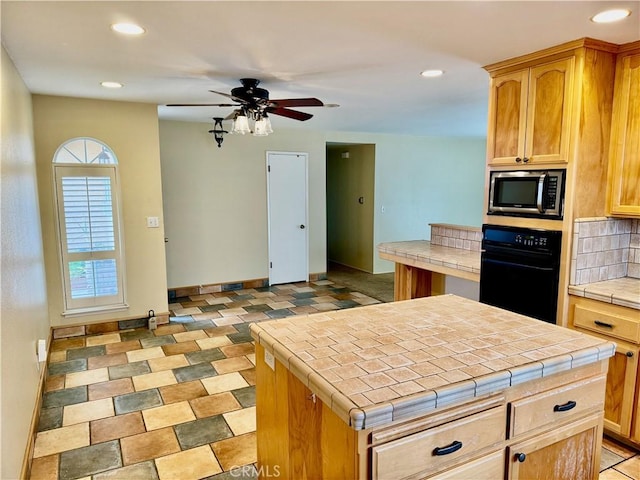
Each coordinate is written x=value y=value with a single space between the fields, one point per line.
x=520 y=269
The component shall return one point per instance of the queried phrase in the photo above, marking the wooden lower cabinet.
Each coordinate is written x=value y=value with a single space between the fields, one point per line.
x=622 y=395
x=300 y=437
x=568 y=453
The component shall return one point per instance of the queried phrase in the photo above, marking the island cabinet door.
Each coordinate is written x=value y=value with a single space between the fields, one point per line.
x=569 y=452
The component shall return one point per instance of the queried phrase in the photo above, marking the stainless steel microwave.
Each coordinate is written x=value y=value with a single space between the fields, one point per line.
x=531 y=193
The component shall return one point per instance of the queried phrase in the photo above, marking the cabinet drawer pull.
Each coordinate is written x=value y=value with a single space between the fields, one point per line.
x=454 y=447
x=602 y=324
x=566 y=407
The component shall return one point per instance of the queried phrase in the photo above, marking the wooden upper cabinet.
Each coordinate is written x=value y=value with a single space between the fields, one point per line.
x=529 y=115
x=623 y=190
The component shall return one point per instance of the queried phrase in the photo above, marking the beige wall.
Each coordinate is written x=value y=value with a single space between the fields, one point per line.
x=422 y=180
x=131 y=130
x=215 y=198
x=349 y=222
x=23 y=301
x=215 y=202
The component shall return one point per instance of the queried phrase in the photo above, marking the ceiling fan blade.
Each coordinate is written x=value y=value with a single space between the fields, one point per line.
x=232 y=97
x=297 y=102
x=285 y=112
x=202 y=105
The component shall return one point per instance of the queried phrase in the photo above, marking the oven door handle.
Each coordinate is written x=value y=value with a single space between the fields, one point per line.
x=515 y=264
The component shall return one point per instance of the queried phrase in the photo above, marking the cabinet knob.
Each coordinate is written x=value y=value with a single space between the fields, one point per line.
x=629 y=354
x=518 y=159
x=521 y=457
x=525 y=160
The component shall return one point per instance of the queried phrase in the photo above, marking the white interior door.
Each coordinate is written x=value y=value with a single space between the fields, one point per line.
x=287 y=211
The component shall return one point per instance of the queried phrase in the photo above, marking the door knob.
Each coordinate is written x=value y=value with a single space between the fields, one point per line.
x=302 y=227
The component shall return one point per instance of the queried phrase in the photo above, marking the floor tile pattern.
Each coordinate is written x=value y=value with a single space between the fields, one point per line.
x=179 y=402
x=174 y=403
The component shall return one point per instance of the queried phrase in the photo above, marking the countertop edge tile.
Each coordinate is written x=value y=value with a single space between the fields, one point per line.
x=584 y=356
x=606 y=351
x=623 y=302
x=454 y=393
x=601 y=297
x=492 y=382
x=378 y=415
x=323 y=389
x=413 y=405
x=556 y=364
x=357 y=419
x=342 y=406
x=300 y=370
x=526 y=373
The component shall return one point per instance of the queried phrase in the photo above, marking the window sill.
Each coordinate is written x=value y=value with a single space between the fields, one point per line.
x=77 y=312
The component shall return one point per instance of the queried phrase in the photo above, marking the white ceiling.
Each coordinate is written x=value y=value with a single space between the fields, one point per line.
x=364 y=56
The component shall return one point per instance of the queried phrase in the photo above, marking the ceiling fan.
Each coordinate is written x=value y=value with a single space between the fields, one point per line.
x=254 y=103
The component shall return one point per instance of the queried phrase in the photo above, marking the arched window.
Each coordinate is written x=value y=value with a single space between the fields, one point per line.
x=87 y=198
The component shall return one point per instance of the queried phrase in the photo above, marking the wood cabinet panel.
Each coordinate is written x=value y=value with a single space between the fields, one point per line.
x=598 y=318
x=416 y=454
x=298 y=435
x=529 y=115
x=624 y=154
x=508 y=116
x=556 y=405
x=621 y=403
x=548 y=116
x=489 y=467
x=565 y=453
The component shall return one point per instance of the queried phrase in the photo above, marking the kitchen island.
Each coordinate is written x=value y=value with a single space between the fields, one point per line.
x=421 y=265
x=436 y=386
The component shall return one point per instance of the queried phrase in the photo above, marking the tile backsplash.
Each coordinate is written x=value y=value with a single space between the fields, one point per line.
x=456 y=236
x=604 y=249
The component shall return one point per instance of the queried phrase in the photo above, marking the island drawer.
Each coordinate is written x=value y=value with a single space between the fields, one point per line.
x=437 y=448
x=557 y=405
x=610 y=320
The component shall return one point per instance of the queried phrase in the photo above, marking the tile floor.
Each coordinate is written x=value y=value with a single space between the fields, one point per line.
x=179 y=402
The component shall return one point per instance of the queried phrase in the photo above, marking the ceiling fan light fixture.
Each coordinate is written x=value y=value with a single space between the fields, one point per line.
x=241 y=124
x=260 y=128
x=128 y=28
x=609 y=16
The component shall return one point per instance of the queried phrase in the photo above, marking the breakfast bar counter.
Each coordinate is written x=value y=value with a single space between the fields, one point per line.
x=421 y=265
x=424 y=386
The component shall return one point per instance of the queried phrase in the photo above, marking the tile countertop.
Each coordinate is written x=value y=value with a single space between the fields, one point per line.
x=423 y=254
x=623 y=291
x=386 y=362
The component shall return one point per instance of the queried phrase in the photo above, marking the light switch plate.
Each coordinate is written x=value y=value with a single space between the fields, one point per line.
x=153 y=222
x=270 y=360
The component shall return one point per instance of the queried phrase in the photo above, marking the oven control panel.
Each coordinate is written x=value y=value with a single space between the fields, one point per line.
x=518 y=238
x=531 y=240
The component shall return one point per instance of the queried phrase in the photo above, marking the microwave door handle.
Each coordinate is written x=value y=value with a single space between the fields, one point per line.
x=541 y=182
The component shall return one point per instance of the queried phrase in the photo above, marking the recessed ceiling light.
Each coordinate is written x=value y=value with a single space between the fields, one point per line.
x=128 y=28
x=431 y=73
x=111 y=84
x=609 y=16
